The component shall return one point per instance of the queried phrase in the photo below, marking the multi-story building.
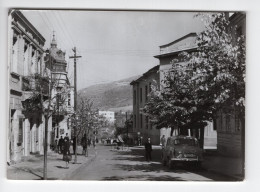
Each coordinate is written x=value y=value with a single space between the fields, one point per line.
x=25 y=49
x=108 y=115
x=62 y=92
x=169 y=55
x=141 y=123
x=231 y=126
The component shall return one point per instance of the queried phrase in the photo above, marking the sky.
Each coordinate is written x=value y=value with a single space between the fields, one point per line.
x=114 y=45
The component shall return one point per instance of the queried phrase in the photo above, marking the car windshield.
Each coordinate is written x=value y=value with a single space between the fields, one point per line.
x=190 y=142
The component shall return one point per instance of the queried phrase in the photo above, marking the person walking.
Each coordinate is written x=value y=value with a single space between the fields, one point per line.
x=60 y=145
x=148 y=150
x=74 y=145
x=84 y=144
x=67 y=136
x=94 y=143
x=66 y=152
x=163 y=141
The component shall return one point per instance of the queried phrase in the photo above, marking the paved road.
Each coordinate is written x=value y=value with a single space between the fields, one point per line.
x=131 y=165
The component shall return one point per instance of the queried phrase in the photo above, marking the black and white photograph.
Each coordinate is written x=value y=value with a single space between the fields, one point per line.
x=126 y=95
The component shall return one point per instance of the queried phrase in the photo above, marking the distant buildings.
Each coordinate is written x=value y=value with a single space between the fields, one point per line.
x=108 y=115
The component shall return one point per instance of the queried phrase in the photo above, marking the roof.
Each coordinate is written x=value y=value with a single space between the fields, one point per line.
x=150 y=71
x=18 y=15
x=178 y=40
x=185 y=43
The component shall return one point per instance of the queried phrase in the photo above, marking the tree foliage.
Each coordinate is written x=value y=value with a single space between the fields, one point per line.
x=202 y=81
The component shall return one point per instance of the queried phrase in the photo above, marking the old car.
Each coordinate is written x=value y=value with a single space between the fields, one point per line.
x=181 y=149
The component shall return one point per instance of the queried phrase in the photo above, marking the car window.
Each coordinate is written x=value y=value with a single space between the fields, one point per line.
x=185 y=141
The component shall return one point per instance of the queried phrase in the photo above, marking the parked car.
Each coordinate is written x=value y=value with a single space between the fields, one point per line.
x=181 y=149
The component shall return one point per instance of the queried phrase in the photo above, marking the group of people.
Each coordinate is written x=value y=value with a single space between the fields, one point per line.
x=63 y=146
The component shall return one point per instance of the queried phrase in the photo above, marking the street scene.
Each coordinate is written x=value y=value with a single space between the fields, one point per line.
x=126 y=95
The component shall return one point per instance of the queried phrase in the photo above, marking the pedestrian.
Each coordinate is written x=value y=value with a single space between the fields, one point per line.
x=56 y=146
x=60 y=145
x=148 y=150
x=94 y=143
x=163 y=141
x=84 y=144
x=74 y=145
x=89 y=142
x=67 y=136
x=66 y=152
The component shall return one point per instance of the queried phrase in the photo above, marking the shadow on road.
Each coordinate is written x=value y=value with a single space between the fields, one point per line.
x=134 y=160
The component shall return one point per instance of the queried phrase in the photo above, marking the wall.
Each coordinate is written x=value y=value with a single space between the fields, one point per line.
x=140 y=122
x=22 y=37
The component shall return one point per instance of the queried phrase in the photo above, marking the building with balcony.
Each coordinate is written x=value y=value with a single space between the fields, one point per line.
x=62 y=92
x=26 y=64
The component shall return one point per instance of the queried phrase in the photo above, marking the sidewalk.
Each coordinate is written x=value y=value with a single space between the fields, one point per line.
x=32 y=168
x=228 y=166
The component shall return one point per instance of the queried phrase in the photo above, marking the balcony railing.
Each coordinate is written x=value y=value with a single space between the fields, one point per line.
x=36 y=84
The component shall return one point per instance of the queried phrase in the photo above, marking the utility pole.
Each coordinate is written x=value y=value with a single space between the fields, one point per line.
x=75 y=96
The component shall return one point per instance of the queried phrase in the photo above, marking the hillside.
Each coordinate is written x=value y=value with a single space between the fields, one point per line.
x=112 y=96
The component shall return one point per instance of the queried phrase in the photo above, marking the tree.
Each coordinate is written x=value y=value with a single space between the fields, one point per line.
x=219 y=64
x=208 y=79
x=87 y=119
x=47 y=95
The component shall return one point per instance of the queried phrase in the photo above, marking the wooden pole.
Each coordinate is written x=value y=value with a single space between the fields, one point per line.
x=75 y=97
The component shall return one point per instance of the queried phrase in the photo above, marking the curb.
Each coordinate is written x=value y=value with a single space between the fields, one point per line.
x=86 y=163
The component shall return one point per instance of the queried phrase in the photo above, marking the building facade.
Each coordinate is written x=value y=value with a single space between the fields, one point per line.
x=169 y=56
x=108 y=115
x=62 y=92
x=25 y=49
x=231 y=127
x=142 y=127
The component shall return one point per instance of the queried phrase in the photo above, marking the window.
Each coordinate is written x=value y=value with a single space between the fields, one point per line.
x=239 y=31
x=69 y=99
x=228 y=122
x=134 y=97
x=141 y=121
x=135 y=121
x=214 y=124
x=146 y=93
x=141 y=97
x=20 y=133
x=237 y=123
x=150 y=87
x=146 y=122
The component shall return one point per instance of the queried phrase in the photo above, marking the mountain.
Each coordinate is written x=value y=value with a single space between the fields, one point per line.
x=112 y=96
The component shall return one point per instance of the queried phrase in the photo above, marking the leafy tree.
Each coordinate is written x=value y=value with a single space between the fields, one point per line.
x=207 y=79
x=219 y=64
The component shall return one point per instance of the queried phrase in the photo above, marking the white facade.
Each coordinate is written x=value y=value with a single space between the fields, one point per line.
x=109 y=115
x=25 y=51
